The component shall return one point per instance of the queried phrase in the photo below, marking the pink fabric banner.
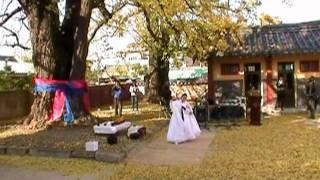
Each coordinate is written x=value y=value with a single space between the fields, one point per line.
x=60 y=88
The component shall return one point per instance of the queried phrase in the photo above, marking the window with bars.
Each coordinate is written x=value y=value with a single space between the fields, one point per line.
x=309 y=66
x=230 y=69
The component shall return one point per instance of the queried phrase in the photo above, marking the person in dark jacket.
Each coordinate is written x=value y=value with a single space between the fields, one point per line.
x=117 y=98
x=281 y=92
x=311 y=97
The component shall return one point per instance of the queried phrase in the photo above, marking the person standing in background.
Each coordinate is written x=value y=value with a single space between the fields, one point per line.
x=280 y=92
x=311 y=97
x=117 y=98
x=134 y=90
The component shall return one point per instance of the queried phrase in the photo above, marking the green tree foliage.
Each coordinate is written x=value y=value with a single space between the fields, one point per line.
x=11 y=81
x=7 y=68
x=193 y=27
x=139 y=70
x=91 y=74
x=196 y=28
x=266 y=19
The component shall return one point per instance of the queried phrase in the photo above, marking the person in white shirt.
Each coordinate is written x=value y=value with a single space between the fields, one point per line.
x=134 y=90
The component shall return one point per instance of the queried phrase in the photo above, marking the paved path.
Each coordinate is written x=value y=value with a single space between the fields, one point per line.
x=160 y=152
x=15 y=173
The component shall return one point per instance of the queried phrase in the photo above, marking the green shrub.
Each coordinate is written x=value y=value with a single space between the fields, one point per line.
x=11 y=81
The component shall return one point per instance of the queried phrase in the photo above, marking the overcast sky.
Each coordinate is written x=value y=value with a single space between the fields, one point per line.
x=300 y=11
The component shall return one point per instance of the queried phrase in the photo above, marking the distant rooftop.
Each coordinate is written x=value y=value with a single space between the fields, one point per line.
x=280 y=39
x=8 y=58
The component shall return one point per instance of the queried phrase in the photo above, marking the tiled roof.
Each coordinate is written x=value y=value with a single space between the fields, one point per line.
x=8 y=58
x=281 y=39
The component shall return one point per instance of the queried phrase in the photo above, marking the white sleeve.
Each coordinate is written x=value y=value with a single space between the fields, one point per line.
x=188 y=107
x=173 y=106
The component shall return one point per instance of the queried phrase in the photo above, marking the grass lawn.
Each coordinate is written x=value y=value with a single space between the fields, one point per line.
x=74 y=138
x=282 y=148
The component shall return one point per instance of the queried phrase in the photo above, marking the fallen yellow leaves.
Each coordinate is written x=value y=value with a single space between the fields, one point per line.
x=74 y=138
x=15 y=131
x=278 y=149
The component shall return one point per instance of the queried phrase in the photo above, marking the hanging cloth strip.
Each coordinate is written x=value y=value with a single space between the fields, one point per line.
x=64 y=90
x=182 y=109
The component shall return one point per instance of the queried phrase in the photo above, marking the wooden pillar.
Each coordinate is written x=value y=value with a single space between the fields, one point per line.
x=269 y=89
x=210 y=79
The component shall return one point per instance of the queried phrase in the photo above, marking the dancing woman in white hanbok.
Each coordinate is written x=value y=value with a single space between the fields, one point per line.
x=183 y=125
x=189 y=118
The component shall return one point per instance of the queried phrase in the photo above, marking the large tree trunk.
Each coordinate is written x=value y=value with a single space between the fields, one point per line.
x=158 y=86
x=44 y=25
x=81 y=46
x=59 y=51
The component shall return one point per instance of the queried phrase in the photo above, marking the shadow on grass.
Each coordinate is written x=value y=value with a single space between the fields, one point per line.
x=68 y=138
x=75 y=137
x=228 y=124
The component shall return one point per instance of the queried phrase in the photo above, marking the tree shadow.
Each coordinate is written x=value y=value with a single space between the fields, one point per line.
x=229 y=124
x=68 y=138
x=74 y=137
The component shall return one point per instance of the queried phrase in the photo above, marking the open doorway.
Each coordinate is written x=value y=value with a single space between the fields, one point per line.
x=286 y=70
x=252 y=77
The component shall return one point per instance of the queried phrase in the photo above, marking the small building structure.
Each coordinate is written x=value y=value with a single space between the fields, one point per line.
x=288 y=50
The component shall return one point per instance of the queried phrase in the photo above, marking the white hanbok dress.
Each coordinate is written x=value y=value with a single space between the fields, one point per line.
x=182 y=127
x=190 y=121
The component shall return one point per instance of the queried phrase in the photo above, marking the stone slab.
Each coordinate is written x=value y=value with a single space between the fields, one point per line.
x=17 y=150
x=110 y=157
x=50 y=153
x=3 y=149
x=83 y=154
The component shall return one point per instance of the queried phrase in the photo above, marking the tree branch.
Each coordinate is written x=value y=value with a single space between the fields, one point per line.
x=15 y=35
x=147 y=19
x=115 y=9
x=28 y=5
x=26 y=25
x=104 y=11
x=106 y=15
x=149 y=26
x=167 y=19
x=118 y=7
x=9 y=15
x=7 y=7
x=142 y=38
x=191 y=7
x=99 y=26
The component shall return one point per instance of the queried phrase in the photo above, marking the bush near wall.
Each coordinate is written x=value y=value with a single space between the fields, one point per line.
x=12 y=81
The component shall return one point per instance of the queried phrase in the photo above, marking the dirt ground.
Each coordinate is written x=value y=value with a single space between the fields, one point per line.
x=74 y=138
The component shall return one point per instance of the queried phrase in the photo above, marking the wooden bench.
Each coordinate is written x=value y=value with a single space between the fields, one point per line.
x=112 y=129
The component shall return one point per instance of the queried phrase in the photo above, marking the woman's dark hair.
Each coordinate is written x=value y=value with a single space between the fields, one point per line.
x=311 y=79
x=184 y=94
x=134 y=82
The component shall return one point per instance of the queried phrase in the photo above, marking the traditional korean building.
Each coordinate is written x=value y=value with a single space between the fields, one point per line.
x=288 y=50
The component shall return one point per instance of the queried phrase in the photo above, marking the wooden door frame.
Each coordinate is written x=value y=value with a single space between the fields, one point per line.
x=294 y=79
x=256 y=72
